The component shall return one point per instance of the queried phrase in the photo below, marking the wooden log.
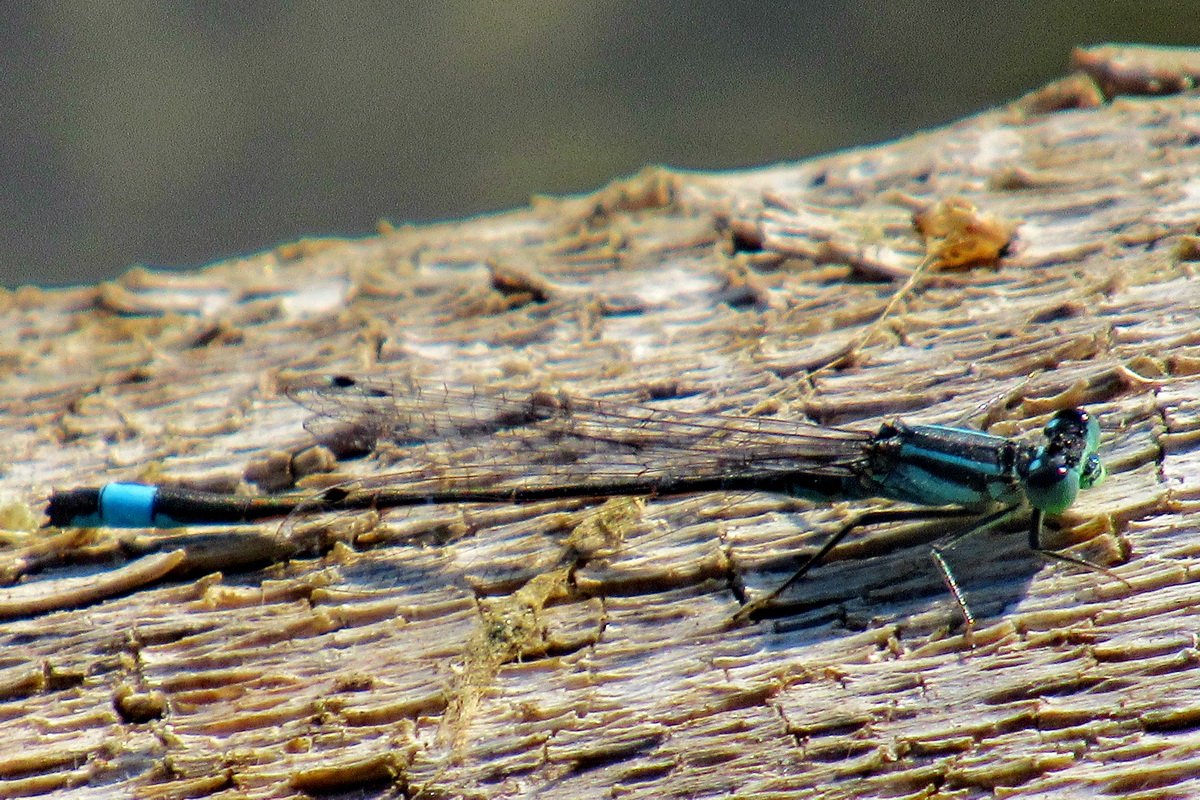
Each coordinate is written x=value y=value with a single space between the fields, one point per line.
x=573 y=649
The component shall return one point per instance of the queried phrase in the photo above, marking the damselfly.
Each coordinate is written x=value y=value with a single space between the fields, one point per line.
x=537 y=446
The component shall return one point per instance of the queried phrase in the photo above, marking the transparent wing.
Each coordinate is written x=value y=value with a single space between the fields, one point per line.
x=472 y=437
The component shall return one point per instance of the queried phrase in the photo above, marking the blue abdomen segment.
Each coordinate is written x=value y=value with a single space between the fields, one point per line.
x=115 y=505
x=139 y=505
x=130 y=505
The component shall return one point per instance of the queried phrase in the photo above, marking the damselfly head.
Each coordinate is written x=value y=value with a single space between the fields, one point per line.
x=1067 y=462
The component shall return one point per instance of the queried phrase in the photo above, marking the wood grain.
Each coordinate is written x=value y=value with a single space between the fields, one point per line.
x=481 y=652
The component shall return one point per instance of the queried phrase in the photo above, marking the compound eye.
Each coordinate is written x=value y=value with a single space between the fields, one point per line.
x=1070 y=422
x=1092 y=472
x=1051 y=485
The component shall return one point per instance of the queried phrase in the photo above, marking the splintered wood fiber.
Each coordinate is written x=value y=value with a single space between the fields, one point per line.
x=571 y=648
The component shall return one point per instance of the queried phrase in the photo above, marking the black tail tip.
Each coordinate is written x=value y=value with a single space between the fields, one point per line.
x=68 y=506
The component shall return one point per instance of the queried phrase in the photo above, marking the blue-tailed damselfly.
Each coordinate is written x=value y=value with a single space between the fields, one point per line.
x=544 y=446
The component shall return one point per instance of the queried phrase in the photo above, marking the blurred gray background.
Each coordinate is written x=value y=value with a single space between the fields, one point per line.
x=173 y=135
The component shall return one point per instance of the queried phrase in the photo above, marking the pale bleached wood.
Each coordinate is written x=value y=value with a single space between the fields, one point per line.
x=367 y=664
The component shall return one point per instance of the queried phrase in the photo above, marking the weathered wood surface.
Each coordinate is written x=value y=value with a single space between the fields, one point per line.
x=458 y=652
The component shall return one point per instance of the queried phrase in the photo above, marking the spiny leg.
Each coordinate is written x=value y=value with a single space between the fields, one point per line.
x=1035 y=544
x=869 y=518
x=938 y=551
